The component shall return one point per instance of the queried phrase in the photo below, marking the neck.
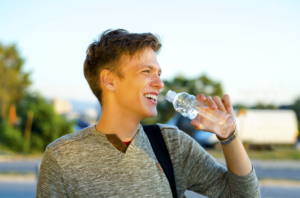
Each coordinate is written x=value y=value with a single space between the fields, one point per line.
x=115 y=121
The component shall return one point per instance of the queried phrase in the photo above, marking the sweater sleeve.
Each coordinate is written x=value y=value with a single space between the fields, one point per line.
x=50 y=179
x=205 y=176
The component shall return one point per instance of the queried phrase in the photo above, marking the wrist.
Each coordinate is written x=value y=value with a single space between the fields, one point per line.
x=231 y=137
x=224 y=138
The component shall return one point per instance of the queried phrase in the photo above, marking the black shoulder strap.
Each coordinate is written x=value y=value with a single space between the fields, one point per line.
x=159 y=147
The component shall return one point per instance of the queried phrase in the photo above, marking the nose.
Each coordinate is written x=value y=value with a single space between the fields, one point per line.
x=157 y=82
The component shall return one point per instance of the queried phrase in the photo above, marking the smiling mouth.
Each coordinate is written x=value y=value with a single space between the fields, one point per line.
x=151 y=97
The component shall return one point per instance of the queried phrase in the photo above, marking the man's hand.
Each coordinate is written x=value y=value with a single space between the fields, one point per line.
x=236 y=157
x=213 y=103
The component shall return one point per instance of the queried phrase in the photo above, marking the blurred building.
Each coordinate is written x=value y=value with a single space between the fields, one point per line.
x=83 y=113
x=91 y=113
x=276 y=126
x=62 y=106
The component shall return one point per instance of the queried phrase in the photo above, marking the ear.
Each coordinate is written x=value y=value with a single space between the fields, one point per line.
x=107 y=79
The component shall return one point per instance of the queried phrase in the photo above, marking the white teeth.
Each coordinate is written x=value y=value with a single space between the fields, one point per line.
x=154 y=97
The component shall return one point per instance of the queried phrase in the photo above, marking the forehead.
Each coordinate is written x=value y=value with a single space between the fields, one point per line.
x=146 y=58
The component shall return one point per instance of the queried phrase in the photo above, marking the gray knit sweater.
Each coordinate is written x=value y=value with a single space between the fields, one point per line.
x=89 y=164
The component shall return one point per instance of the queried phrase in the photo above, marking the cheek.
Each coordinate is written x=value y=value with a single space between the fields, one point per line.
x=130 y=96
x=132 y=91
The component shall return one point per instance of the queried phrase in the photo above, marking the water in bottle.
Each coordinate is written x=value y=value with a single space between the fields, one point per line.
x=215 y=121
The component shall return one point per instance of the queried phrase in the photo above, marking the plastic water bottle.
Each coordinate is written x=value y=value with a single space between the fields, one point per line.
x=215 y=121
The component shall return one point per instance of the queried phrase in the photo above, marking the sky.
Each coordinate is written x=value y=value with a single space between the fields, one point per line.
x=251 y=47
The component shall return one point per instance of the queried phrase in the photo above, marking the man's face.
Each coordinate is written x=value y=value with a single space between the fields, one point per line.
x=140 y=83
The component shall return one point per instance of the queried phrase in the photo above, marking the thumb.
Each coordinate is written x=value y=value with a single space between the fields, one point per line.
x=197 y=125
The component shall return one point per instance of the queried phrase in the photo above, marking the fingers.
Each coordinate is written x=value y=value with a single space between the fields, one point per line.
x=219 y=103
x=227 y=104
x=212 y=105
x=197 y=125
x=201 y=97
x=216 y=103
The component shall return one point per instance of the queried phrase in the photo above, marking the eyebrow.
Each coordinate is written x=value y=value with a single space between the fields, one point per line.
x=152 y=68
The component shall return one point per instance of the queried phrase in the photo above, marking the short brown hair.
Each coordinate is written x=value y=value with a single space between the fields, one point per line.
x=108 y=50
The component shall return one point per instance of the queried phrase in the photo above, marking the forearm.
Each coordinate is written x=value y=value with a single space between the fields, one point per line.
x=236 y=157
x=204 y=175
x=240 y=179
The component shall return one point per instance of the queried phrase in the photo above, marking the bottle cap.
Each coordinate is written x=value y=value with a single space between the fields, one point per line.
x=170 y=95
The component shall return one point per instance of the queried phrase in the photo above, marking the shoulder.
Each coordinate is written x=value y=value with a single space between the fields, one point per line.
x=69 y=139
x=173 y=134
x=166 y=127
x=171 y=130
x=180 y=145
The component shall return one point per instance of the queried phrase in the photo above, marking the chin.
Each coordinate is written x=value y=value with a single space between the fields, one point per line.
x=151 y=114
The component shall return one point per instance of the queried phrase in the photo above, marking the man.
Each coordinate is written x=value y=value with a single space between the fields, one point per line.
x=114 y=158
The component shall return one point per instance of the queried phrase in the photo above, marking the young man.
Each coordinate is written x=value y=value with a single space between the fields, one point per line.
x=114 y=158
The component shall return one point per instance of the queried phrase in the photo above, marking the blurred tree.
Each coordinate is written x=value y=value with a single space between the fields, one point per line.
x=239 y=106
x=260 y=105
x=42 y=128
x=12 y=115
x=296 y=108
x=10 y=137
x=47 y=126
x=200 y=85
x=13 y=80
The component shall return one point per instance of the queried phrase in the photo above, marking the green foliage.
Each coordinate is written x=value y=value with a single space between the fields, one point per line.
x=200 y=85
x=47 y=126
x=296 y=108
x=10 y=137
x=263 y=106
x=13 y=80
x=239 y=106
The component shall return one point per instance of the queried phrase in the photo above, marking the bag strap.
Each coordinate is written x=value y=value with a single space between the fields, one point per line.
x=159 y=147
